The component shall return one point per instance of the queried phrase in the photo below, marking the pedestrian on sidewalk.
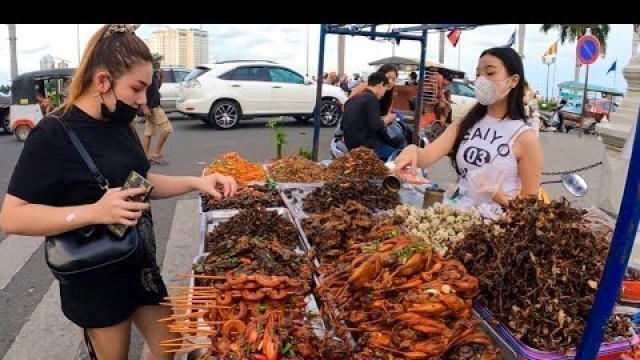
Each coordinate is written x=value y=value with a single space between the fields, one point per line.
x=52 y=191
x=156 y=119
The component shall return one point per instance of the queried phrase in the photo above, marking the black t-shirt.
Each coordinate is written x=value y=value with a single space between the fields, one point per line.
x=50 y=171
x=361 y=121
x=153 y=93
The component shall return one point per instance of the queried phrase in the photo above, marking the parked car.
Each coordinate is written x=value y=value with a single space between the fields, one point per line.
x=5 y=121
x=463 y=98
x=594 y=112
x=170 y=89
x=223 y=93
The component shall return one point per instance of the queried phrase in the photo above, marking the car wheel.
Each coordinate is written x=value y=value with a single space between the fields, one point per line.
x=592 y=129
x=224 y=114
x=22 y=132
x=6 y=123
x=330 y=113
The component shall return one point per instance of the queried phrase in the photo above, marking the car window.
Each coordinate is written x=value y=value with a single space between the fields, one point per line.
x=249 y=73
x=196 y=73
x=167 y=76
x=180 y=75
x=285 y=76
x=463 y=90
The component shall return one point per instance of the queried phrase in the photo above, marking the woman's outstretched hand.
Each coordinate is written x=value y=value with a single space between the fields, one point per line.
x=210 y=184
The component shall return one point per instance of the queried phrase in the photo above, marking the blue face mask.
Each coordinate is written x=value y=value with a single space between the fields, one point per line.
x=123 y=113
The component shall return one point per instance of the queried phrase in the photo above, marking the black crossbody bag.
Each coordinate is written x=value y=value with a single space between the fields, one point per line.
x=91 y=252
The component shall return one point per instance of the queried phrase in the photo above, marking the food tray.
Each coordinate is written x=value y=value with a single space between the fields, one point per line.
x=608 y=351
x=213 y=218
x=506 y=350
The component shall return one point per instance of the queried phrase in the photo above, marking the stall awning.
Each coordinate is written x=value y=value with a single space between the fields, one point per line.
x=575 y=85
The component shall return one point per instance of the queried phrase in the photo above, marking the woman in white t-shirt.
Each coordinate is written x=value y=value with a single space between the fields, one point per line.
x=492 y=139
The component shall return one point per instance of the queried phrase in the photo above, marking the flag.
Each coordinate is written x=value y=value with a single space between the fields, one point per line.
x=512 y=40
x=612 y=68
x=552 y=50
x=454 y=36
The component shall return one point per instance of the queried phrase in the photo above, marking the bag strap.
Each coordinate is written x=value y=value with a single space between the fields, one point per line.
x=90 y=349
x=102 y=181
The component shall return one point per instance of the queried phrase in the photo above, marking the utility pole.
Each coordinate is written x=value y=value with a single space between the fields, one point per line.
x=521 y=31
x=14 y=53
x=341 y=46
x=307 y=73
x=441 y=49
x=78 y=41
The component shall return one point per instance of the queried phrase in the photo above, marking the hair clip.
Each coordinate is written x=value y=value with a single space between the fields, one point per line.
x=121 y=28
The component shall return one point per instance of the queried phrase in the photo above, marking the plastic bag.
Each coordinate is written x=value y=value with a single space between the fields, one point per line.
x=484 y=182
x=599 y=222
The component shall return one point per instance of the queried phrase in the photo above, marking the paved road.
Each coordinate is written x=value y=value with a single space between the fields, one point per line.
x=30 y=321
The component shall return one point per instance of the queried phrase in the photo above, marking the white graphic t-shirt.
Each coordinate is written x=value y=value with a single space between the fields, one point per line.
x=491 y=141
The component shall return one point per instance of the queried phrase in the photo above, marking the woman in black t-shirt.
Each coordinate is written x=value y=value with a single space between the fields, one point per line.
x=52 y=191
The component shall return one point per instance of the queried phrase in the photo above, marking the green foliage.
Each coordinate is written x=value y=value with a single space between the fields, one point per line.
x=305 y=153
x=5 y=88
x=569 y=33
x=156 y=59
x=277 y=124
x=547 y=104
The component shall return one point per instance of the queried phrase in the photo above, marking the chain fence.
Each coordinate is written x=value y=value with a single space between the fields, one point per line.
x=585 y=168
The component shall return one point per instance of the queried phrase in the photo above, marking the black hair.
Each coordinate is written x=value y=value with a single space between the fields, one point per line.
x=515 y=101
x=377 y=78
x=387 y=98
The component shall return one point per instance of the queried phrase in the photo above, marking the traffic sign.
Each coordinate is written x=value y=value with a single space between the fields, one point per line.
x=588 y=49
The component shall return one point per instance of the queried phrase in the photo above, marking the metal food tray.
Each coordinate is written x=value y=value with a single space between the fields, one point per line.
x=506 y=351
x=213 y=218
x=317 y=324
x=524 y=351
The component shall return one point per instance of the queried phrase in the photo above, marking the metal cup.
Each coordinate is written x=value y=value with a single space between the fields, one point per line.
x=432 y=196
x=392 y=183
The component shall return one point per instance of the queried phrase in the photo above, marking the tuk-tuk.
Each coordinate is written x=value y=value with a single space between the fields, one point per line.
x=35 y=93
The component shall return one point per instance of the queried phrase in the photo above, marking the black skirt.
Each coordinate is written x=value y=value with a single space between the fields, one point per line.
x=113 y=299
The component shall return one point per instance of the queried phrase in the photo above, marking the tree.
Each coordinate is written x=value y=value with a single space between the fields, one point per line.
x=573 y=32
x=5 y=89
x=156 y=60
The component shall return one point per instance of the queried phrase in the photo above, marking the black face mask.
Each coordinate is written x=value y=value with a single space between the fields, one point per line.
x=123 y=114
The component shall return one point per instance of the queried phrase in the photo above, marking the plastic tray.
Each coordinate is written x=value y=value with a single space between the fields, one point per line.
x=608 y=351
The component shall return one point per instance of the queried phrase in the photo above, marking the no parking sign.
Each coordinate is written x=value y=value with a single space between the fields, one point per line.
x=588 y=49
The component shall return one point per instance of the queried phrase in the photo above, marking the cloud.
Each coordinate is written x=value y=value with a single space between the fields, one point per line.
x=287 y=43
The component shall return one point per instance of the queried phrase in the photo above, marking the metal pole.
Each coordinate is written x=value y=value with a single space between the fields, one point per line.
x=316 y=109
x=553 y=81
x=548 y=65
x=585 y=100
x=418 y=112
x=619 y=252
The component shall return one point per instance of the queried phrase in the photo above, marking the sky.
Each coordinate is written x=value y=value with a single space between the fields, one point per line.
x=297 y=45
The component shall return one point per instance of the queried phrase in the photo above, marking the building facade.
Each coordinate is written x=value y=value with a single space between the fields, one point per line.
x=50 y=62
x=180 y=47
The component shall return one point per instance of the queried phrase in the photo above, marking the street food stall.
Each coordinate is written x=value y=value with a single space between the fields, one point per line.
x=328 y=261
x=322 y=261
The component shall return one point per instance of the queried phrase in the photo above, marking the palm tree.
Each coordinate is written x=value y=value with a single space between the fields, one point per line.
x=572 y=32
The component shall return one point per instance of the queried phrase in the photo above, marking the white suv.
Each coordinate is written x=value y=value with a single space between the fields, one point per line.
x=223 y=93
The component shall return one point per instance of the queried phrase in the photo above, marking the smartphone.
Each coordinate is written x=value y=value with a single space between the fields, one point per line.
x=134 y=180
